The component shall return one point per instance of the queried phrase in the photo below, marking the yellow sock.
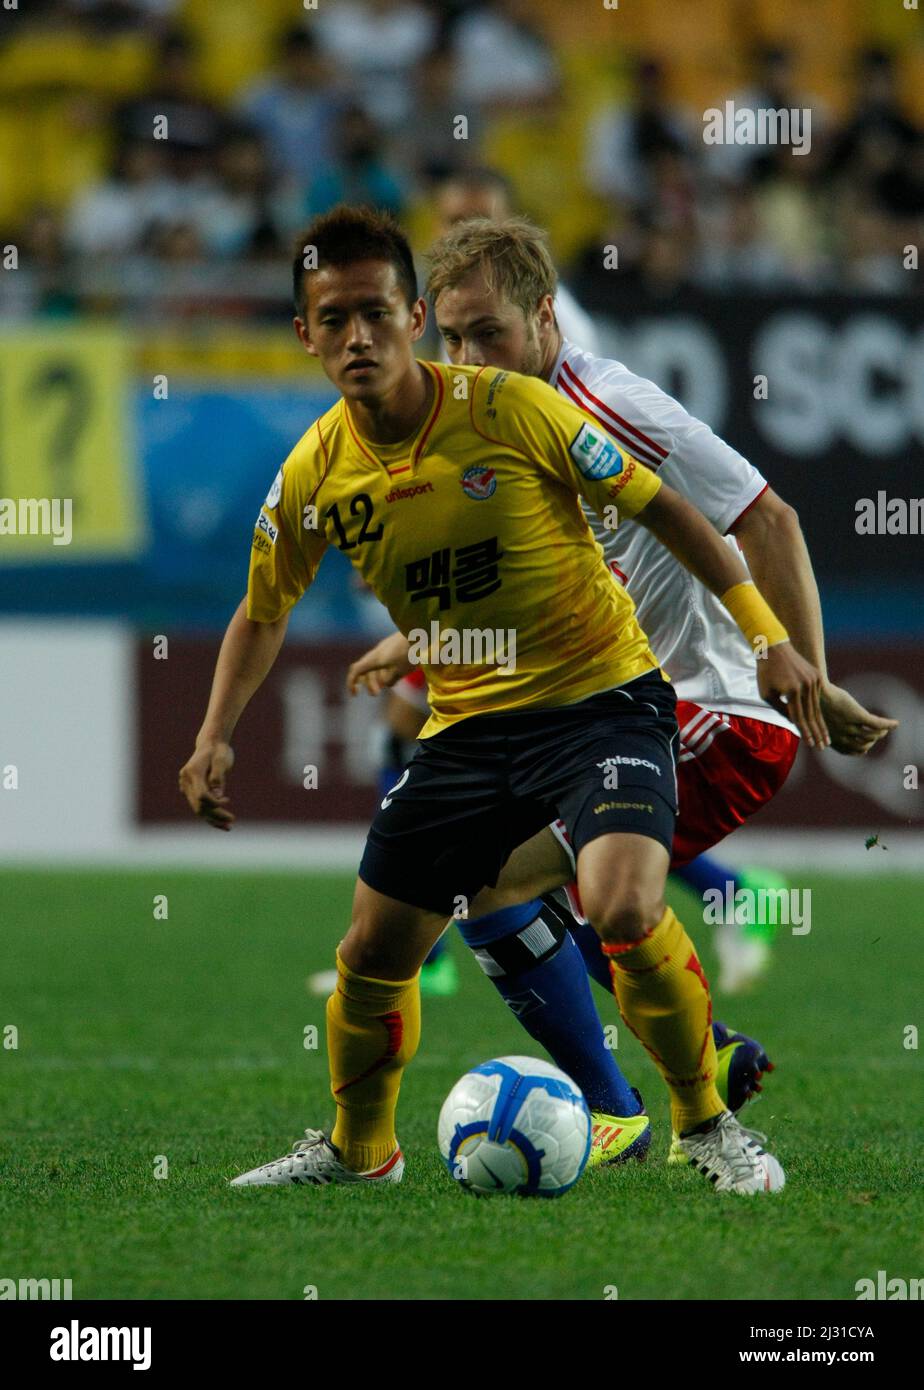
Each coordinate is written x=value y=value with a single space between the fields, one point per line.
x=664 y=998
x=373 y=1028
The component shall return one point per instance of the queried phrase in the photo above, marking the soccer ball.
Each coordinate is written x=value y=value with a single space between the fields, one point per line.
x=515 y=1124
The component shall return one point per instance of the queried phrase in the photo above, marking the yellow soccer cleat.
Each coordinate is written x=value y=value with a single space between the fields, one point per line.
x=676 y=1153
x=616 y=1138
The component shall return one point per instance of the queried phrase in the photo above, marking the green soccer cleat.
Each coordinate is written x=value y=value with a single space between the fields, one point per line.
x=744 y=950
x=440 y=979
x=754 y=879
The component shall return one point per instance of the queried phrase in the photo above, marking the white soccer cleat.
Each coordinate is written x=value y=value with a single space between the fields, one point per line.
x=322 y=984
x=731 y=1157
x=314 y=1160
x=743 y=959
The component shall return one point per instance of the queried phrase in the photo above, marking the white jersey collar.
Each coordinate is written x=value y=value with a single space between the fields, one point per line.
x=567 y=353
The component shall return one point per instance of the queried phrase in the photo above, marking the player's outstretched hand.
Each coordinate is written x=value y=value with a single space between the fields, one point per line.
x=202 y=782
x=381 y=667
x=791 y=685
x=853 y=729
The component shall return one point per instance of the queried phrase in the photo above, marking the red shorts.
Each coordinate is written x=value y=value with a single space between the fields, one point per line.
x=728 y=767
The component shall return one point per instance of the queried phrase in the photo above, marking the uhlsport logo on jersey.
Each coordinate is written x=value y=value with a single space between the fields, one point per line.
x=400 y=494
x=596 y=455
x=479 y=482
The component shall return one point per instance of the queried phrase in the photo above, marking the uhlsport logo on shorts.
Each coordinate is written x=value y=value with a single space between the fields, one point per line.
x=479 y=482
x=618 y=761
x=596 y=455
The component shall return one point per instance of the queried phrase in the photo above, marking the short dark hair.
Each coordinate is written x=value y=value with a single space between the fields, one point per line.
x=347 y=234
x=474 y=177
x=296 y=39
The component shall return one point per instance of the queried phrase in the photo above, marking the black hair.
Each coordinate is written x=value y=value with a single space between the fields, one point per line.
x=296 y=39
x=480 y=176
x=347 y=234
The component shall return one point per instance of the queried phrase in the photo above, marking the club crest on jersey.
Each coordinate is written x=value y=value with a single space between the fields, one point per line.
x=479 y=482
x=275 y=492
x=595 y=454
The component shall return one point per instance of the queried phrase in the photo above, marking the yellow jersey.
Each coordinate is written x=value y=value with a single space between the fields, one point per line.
x=475 y=525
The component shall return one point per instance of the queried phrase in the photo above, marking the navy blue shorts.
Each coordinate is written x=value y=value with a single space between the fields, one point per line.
x=475 y=791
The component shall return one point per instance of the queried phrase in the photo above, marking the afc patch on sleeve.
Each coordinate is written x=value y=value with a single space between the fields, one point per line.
x=595 y=454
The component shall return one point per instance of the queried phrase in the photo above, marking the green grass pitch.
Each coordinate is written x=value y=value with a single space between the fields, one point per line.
x=141 y=1040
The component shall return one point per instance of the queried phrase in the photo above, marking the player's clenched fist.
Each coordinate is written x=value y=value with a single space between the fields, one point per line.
x=791 y=685
x=202 y=782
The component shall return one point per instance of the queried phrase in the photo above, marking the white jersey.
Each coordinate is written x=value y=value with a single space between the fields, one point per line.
x=575 y=323
x=694 y=637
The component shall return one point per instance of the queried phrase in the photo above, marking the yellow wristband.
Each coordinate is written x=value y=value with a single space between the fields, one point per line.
x=754 y=615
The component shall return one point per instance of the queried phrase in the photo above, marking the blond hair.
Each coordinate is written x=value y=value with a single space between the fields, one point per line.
x=513 y=254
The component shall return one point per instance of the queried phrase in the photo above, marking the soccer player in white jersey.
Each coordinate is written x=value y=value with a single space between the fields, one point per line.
x=493 y=286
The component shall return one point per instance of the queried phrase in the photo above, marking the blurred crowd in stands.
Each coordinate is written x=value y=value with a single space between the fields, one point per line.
x=362 y=103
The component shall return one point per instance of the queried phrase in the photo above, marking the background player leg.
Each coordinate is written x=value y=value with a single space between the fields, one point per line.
x=743 y=948
x=405 y=717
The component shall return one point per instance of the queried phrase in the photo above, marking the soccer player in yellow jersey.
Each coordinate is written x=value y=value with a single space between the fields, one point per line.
x=455 y=493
